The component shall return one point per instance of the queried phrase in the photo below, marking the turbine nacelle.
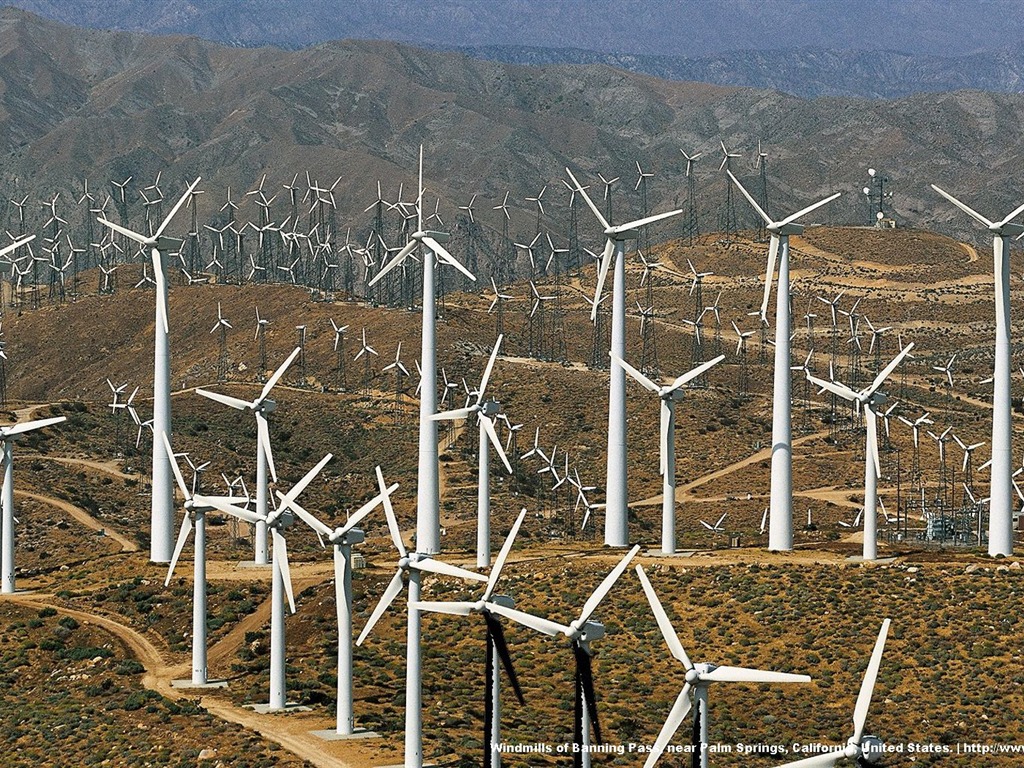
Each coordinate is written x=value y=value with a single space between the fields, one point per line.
x=780 y=228
x=441 y=237
x=349 y=537
x=586 y=632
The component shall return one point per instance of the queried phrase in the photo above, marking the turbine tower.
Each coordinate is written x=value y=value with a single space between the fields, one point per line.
x=669 y=395
x=870 y=399
x=428 y=499
x=780 y=530
x=1000 y=520
x=161 y=538
x=616 y=513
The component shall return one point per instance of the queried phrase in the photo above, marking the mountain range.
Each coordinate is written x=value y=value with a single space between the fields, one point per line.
x=869 y=49
x=80 y=104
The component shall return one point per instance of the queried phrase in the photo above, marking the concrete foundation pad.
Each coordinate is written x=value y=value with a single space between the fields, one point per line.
x=18 y=593
x=264 y=709
x=208 y=684
x=333 y=735
x=680 y=553
x=879 y=560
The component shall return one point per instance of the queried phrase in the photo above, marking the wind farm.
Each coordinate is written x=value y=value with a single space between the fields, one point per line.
x=434 y=372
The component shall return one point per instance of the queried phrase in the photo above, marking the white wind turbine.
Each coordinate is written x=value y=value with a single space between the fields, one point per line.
x=343 y=537
x=616 y=532
x=260 y=407
x=1000 y=522
x=861 y=748
x=196 y=506
x=161 y=542
x=669 y=394
x=780 y=516
x=581 y=631
x=496 y=645
x=870 y=399
x=413 y=565
x=278 y=520
x=8 y=435
x=698 y=678
x=486 y=412
x=428 y=500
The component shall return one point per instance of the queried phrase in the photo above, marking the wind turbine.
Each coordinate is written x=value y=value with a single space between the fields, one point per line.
x=486 y=412
x=698 y=679
x=161 y=542
x=428 y=500
x=1000 y=521
x=260 y=407
x=861 y=748
x=870 y=399
x=8 y=435
x=496 y=646
x=669 y=395
x=196 y=506
x=278 y=520
x=616 y=532
x=780 y=516
x=343 y=537
x=413 y=565
x=582 y=631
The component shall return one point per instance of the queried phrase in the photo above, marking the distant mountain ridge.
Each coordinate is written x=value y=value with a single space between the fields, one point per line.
x=808 y=48
x=808 y=73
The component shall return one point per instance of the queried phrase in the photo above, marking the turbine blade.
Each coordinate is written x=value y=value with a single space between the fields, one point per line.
x=161 y=289
x=602 y=273
x=355 y=518
x=871 y=422
x=389 y=514
x=177 y=205
x=28 y=426
x=804 y=211
x=589 y=202
x=305 y=516
x=645 y=221
x=16 y=244
x=263 y=435
x=824 y=760
x=183 y=532
x=278 y=374
x=175 y=468
x=499 y=562
x=860 y=711
x=488 y=426
x=431 y=565
x=497 y=635
x=833 y=386
x=745 y=675
x=676 y=715
x=667 y=631
x=340 y=566
x=452 y=609
x=300 y=486
x=643 y=380
x=751 y=200
x=141 y=239
x=453 y=415
x=691 y=375
x=398 y=259
x=390 y=593
x=889 y=369
x=969 y=211
x=663 y=437
x=769 y=274
x=490 y=366
x=281 y=562
x=536 y=623
x=227 y=508
x=446 y=257
x=232 y=402
x=606 y=586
